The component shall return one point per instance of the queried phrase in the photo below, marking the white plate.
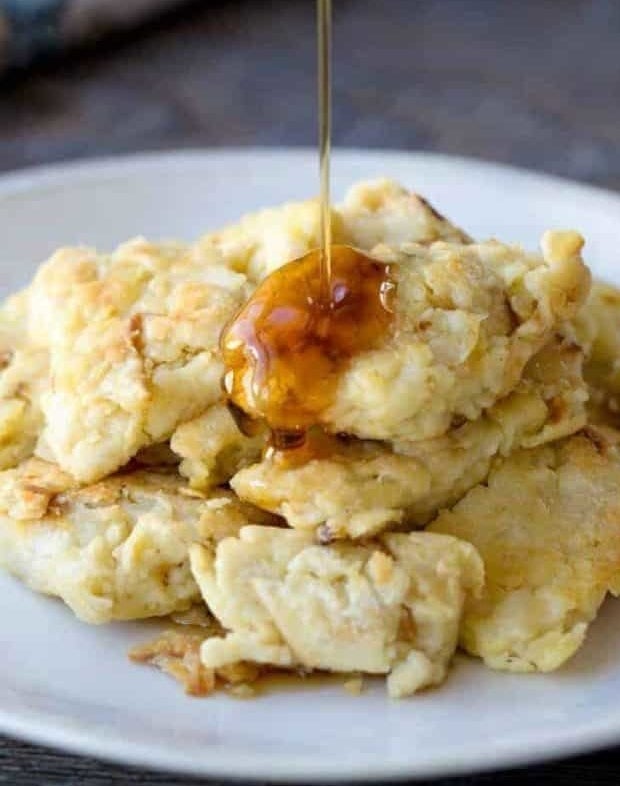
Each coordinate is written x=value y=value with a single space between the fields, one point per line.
x=70 y=685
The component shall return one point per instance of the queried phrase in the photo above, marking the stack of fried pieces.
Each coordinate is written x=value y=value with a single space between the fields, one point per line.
x=476 y=500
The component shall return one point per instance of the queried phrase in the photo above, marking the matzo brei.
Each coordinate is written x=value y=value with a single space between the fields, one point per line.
x=390 y=607
x=598 y=329
x=23 y=377
x=133 y=348
x=365 y=487
x=126 y=331
x=466 y=320
x=213 y=449
x=382 y=211
x=111 y=369
x=114 y=550
x=547 y=525
x=376 y=211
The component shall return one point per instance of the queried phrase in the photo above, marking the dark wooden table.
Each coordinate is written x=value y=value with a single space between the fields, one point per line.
x=529 y=82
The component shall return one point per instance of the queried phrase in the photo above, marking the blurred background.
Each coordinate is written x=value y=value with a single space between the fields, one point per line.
x=529 y=82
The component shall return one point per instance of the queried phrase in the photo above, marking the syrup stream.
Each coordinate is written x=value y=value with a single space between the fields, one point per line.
x=324 y=22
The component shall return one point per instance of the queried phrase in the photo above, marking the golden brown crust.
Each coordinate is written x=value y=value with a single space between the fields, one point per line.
x=117 y=549
x=133 y=347
x=23 y=377
x=176 y=652
x=598 y=329
x=547 y=524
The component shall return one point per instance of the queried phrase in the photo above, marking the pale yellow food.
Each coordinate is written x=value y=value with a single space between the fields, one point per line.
x=598 y=329
x=382 y=211
x=361 y=490
x=370 y=486
x=23 y=377
x=467 y=318
x=133 y=335
x=375 y=211
x=114 y=550
x=133 y=343
x=547 y=525
x=389 y=607
x=110 y=370
x=213 y=449
x=261 y=242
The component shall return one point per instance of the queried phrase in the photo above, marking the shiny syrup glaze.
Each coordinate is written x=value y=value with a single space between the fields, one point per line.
x=288 y=347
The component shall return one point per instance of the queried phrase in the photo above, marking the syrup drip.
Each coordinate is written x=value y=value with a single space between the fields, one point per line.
x=324 y=23
x=287 y=348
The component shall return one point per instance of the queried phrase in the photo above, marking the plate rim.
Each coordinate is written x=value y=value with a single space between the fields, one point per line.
x=41 y=727
x=14 y=181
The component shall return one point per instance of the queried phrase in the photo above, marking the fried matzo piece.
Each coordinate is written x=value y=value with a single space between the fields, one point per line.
x=23 y=377
x=367 y=487
x=547 y=525
x=176 y=652
x=382 y=211
x=212 y=448
x=127 y=332
x=114 y=550
x=466 y=320
x=375 y=211
x=390 y=607
x=598 y=329
x=133 y=348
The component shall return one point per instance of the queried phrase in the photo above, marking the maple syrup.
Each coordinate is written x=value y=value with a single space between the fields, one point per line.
x=287 y=348
x=324 y=25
